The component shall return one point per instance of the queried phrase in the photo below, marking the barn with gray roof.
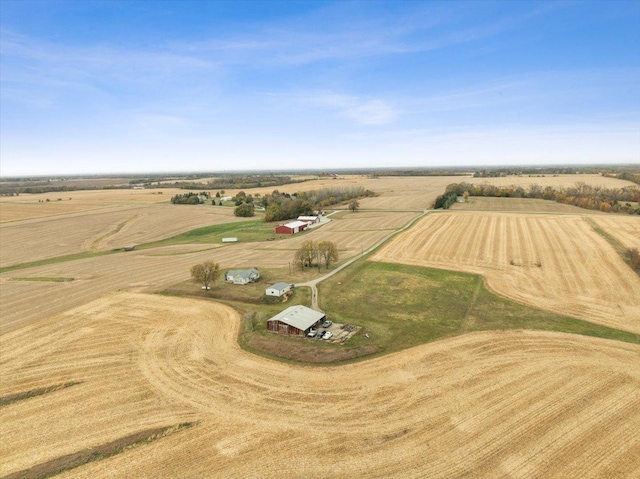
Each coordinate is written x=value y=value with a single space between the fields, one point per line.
x=295 y=320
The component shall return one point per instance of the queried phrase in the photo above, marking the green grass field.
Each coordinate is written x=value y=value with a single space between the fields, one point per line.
x=397 y=306
x=250 y=231
x=403 y=306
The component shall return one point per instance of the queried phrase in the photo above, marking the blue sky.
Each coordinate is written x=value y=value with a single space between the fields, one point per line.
x=117 y=86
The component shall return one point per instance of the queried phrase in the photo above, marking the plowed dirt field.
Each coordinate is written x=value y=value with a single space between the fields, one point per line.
x=551 y=262
x=504 y=404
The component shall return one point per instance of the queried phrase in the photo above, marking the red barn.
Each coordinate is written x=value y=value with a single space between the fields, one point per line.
x=291 y=228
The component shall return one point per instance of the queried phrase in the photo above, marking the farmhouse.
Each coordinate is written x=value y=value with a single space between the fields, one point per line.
x=295 y=320
x=278 y=289
x=310 y=220
x=242 y=276
x=291 y=228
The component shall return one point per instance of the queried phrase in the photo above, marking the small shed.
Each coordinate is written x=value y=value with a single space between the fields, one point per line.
x=130 y=247
x=278 y=289
x=230 y=240
x=242 y=276
x=291 y=228
x=295 y=320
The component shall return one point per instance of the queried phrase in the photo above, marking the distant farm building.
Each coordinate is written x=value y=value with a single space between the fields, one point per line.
x=460 y=199
x=295 y=320
x=278 y=289
x=130 y=247
x=242 y=276
x=230 y=240
x=311 y=220
x=291 y=228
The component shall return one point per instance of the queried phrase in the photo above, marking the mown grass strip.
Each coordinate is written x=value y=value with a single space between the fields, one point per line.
x=56 y=279
x=57 y=259
x=11 y=398
x=71 y=461
x=245 y=231
x=621 y=249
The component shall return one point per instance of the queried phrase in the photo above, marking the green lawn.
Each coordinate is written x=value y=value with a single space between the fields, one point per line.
x=245 y=231
x=402 y=306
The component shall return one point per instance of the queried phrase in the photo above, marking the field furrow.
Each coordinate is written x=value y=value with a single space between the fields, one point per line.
x=518 y=404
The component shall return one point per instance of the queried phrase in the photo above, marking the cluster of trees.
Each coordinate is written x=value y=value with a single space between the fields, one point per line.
x=189 y=198
x=245 y=210
x=446 y=200
x=311 y=252
x=334 y=195
x=205 y=273
x=283 y=206
x=616 y=200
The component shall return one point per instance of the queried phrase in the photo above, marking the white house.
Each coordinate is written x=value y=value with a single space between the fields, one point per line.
x=242 y=276
x=278 y=289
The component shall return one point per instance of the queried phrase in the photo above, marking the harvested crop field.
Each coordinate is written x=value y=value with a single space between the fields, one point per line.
x=626 y=229
x=24 y=302
x=520 y=205
x=99 y=230
x=515 y=404
x=556 y=263
x=14 y=208
x=556 y=181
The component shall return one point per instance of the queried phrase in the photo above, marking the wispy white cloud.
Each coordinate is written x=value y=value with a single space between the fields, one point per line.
x=361 y=110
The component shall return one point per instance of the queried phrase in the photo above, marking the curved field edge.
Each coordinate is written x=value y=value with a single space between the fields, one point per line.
x=551 y=262
x=401 y=306
x=485 y=404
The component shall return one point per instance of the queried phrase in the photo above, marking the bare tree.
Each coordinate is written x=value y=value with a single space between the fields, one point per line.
x=205 y=273
x=354 y=205
x=328 y=251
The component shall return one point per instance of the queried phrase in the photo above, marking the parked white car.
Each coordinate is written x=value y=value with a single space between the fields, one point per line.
x=312 y=332
x=327 y=335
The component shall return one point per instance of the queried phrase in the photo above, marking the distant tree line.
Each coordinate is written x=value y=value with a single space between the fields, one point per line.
x=222 y=182
x=634 y=177
x=190 y=198
x=614 y=200
x=612 y=171
x=12 y=189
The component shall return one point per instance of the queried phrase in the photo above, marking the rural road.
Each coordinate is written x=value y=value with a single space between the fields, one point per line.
x=314 y=283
